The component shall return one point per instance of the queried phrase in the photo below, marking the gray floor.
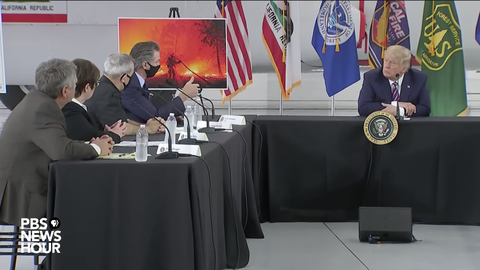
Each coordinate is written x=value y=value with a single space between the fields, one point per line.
x=312 y=246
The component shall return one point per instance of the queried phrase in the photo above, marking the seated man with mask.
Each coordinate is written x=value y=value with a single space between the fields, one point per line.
x=106 y=101
x=137 y=103
x=394 y=83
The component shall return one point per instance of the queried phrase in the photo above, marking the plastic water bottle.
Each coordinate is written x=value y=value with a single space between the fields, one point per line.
x=141 y=150
x=188 y=114
x=171 y=124
x=198 y=113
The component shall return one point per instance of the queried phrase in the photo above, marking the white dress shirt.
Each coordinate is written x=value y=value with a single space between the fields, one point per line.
x=79 y=103
x=399 y=87
x=96 y=147
x=140 y=79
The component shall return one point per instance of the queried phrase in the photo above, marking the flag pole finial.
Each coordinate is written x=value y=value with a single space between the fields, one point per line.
x=431 y=48
x=337 y=46
x=283 y=24
x=385 y=45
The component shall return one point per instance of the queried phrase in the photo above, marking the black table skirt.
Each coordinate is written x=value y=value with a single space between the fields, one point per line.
x=323 y=169
x=161 y=214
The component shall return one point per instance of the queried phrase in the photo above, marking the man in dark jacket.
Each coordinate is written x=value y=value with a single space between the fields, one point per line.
x=137 y=103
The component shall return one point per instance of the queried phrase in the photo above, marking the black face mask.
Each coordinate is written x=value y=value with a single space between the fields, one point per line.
x=152 y=71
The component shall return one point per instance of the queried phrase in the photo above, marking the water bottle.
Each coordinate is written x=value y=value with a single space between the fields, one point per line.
x=171 y=124
x=188 y=114
x=198 y=113
x=141 y=150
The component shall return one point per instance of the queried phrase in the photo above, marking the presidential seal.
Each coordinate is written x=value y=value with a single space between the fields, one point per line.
x=380 y=127
x=336 y=22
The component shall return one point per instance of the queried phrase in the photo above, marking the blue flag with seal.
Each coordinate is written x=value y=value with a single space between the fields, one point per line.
x=334 y=41
x=477 y=30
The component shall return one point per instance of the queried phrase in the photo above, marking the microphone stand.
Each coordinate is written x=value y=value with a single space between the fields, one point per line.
x=165 y=155
x=189 y=140
x=213 y=117
x=169 y=154
x=398 y=116
x=206 y=129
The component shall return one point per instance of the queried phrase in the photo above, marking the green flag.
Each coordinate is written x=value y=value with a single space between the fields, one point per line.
x=441 y=54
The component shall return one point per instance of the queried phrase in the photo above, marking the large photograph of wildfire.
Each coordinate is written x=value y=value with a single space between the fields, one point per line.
x=188 y=47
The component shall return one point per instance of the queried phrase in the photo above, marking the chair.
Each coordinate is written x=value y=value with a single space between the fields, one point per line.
x=13 y=240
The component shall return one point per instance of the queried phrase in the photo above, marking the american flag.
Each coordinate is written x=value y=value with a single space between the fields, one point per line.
x=239 y=57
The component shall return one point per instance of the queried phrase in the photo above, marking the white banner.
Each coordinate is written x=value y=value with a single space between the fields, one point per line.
x=3 y=88
x=34 y=12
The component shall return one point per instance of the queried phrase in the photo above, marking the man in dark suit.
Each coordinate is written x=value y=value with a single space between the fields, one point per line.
x=106 y=102
x=33 y=136
x=82 y=125
x=395 y=82
x=147 y=64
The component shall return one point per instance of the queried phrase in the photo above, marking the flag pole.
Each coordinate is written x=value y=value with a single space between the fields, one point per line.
x=283 y=56
x=332 y=107
x=230 y=107
x=281 y=103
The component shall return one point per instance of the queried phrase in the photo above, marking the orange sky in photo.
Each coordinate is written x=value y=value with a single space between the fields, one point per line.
x=179 y=36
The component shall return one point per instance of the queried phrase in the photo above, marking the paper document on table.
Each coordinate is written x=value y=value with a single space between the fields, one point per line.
x=119 y=156
x=133 y=143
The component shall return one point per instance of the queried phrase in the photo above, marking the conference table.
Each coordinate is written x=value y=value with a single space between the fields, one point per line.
x=318 y=169
x=187 y=213
x=196 y=213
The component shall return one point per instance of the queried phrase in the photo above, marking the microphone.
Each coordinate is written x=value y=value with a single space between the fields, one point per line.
x=398 y=116
x=206 y=129
x=189 y=140
x=165 y=155
x=213 y=117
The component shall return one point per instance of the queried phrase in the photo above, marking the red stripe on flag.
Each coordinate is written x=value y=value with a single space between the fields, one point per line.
x=34 y=18
x=276 y=53
x=247 y=59
x=239 y=65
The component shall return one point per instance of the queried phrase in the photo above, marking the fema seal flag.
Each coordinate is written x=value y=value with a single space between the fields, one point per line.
x=334 y=41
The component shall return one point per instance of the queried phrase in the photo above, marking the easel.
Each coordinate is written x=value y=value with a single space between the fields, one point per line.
x=174 y=13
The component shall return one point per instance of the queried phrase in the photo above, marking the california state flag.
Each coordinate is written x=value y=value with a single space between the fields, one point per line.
x=281 y=35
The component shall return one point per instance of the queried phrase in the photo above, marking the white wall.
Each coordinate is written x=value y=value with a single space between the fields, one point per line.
x=92 y=33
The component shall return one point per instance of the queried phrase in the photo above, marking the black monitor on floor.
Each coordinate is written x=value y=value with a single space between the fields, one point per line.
x=385 y=224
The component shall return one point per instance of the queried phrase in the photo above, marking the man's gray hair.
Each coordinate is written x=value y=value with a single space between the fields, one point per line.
x=118 y=64
x=143 y=52
x=402 y=54
x=53 y=75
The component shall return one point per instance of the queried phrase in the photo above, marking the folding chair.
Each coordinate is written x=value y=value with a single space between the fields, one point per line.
x=13 y=244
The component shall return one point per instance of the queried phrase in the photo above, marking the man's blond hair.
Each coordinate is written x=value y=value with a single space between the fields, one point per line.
x=401 y=54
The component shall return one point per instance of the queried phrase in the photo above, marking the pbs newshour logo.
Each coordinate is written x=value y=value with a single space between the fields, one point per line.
x=36 y=237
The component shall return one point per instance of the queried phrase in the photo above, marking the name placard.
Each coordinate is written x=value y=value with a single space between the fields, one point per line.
x=233 y=119
x=219 y=125
x=199 y=136
x=180 y=148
